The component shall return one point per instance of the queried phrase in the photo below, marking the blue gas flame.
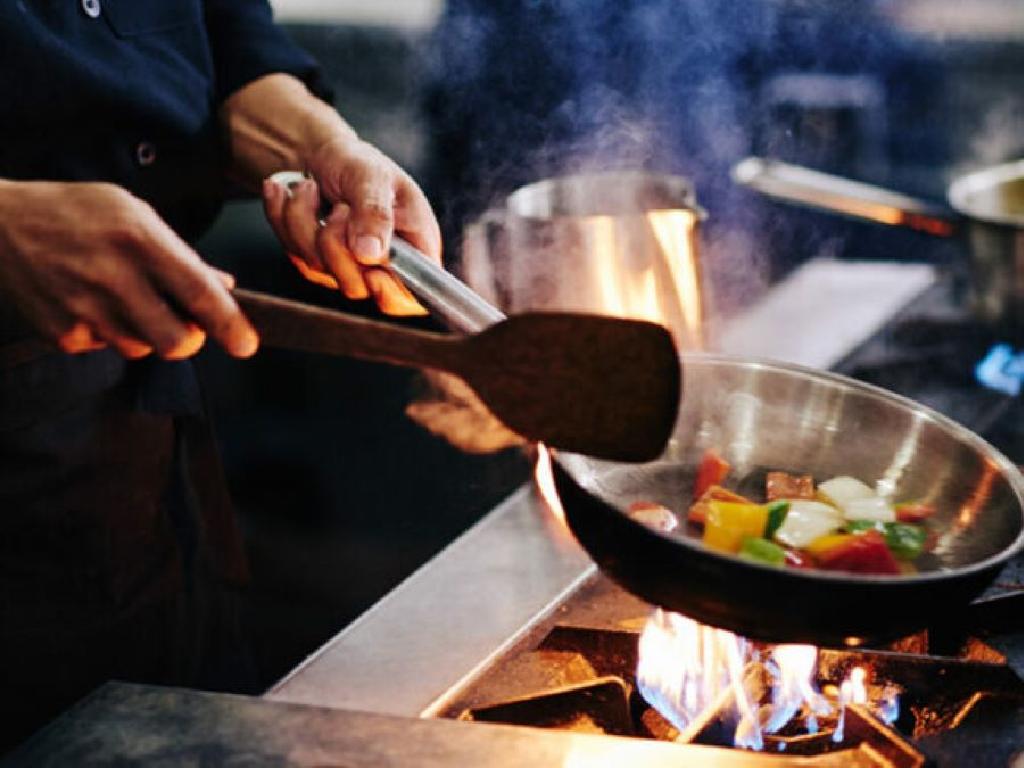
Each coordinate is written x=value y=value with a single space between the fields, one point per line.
x=1002 y=370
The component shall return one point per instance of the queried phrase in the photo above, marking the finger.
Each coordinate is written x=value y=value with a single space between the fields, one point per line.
x=313 y=275
x=336 y=256
x=79 y=338
x=415 y=220
x=274 y=198
x=391 y=296
x=226 y=278
x=195 y=288
x=302 y=222
x=99 y=319
x=119 y=337
x=372 y=201
x=150 y=318
x=189 y=345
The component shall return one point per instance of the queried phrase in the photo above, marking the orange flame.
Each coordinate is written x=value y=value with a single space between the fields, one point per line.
x=544 y=479
x=674 y=232
x=664 y=288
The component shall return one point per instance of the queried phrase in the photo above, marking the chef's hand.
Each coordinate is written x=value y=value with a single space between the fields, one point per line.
x=369 y=198
x=90 y=265
x=275 y=124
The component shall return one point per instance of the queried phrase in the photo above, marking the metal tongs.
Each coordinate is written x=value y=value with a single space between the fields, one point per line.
x=589 y=384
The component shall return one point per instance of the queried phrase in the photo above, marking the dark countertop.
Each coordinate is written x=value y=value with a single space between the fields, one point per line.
x=122 y=724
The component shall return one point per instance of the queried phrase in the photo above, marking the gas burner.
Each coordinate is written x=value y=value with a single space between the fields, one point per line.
x=577 y=672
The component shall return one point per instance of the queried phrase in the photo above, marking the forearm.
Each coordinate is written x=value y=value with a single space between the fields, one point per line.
x=275 y=124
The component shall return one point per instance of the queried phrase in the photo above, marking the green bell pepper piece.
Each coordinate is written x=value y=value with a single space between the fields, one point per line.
x=777 y=511
x=762 y=551
x=906 y=541
x=863 y=526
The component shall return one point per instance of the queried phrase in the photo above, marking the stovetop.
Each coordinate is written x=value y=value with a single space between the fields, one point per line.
x=929 y=352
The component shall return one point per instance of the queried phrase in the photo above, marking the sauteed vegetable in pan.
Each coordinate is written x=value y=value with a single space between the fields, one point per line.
x=841 y=524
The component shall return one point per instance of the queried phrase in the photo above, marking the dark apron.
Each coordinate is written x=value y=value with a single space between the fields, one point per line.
x=116 y=534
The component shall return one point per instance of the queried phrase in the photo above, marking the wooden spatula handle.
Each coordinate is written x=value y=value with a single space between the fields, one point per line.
x=293 y=325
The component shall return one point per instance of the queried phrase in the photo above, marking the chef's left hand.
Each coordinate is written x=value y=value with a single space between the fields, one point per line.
x=370 y=198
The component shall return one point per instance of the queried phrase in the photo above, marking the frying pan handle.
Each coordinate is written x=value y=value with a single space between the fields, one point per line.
x=794 y=184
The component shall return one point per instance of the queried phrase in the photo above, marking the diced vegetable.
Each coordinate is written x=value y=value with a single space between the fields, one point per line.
x=871 y=508
x=840 y=491
x=762 y=551
x=728 y=523
x=777 y=511
x=699 y=511
x=712 y=471
x=864 y=553
x=822 y=545
x=905 y=540
x=914 y=512
x=653 y=515
x=782 y=485
x=797 y=559
x=806 y=521
x=860 y=526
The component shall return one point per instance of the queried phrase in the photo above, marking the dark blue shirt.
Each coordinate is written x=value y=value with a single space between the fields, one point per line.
x=127 y=91
x=95 y=451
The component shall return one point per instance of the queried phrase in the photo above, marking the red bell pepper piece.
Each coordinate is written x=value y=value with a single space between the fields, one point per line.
x=913 y=512
x=864 y=553
x=712 y=471
x=796 y=559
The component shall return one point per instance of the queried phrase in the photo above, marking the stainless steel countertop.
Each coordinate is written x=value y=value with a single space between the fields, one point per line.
x=448 y=619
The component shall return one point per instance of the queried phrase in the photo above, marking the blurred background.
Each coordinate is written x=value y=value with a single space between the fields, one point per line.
x=341 y=497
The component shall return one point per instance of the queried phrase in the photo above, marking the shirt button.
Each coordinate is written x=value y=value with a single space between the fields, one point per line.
x=91 y=8
x=145 y=153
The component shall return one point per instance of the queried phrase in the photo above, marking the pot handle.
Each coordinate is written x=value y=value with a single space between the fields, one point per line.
x=794 y=184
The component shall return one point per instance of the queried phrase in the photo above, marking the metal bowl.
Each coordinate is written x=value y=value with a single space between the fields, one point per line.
x=764 y=416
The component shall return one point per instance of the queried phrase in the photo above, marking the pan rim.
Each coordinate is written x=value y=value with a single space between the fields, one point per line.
x=1008 y=469
x=963 y=188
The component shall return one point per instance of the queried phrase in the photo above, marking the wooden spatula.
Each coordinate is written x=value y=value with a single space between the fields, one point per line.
x=594 y=385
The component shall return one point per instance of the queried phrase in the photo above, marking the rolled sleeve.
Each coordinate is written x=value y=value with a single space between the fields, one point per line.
x=246 y=44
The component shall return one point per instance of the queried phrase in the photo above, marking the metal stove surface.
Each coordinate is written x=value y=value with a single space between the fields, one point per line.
x=929 y=352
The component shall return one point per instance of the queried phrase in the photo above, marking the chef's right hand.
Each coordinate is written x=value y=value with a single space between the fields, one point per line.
x=90 y=265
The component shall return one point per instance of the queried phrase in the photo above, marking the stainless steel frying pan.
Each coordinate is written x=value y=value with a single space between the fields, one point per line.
x=763 y=416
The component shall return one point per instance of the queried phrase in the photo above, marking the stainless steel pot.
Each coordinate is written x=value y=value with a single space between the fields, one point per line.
x=623 y=243
x=987 y=210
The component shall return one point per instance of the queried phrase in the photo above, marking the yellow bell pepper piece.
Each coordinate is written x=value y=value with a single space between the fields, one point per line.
x=728 y=523
x=827 y=543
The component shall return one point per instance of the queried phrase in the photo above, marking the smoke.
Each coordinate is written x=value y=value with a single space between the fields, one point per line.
x=999 y=133
x=524 y=90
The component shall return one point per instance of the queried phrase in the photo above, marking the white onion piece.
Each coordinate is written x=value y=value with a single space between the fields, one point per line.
x=806 y=521
x=840 y=491
x=875 y=508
